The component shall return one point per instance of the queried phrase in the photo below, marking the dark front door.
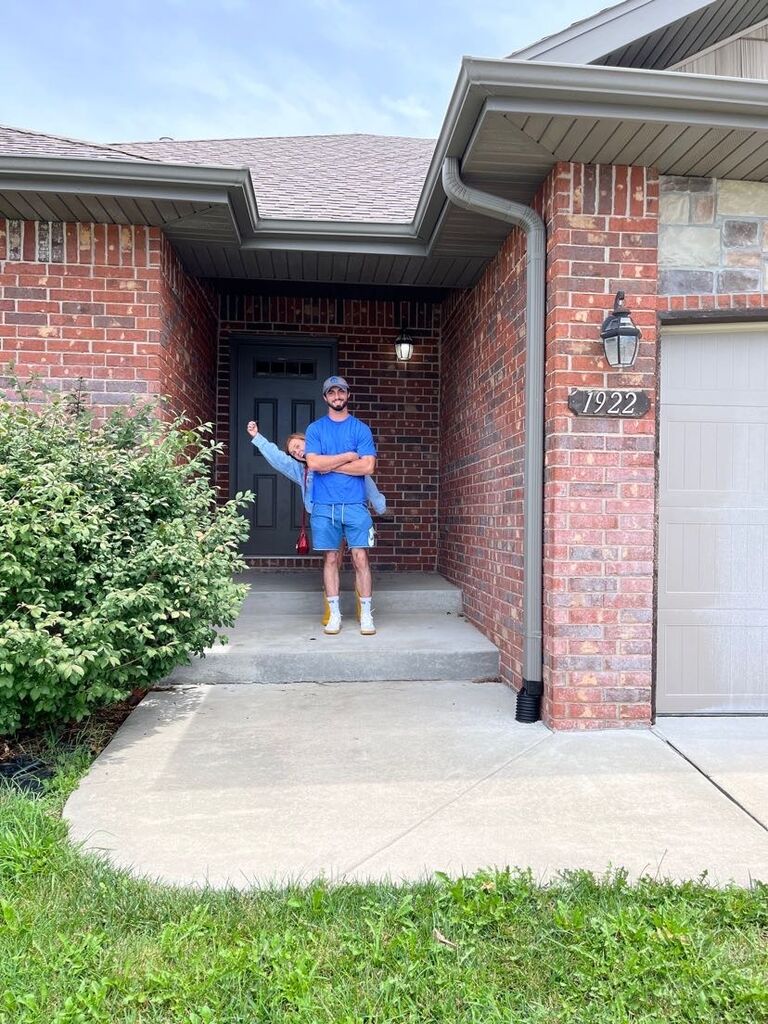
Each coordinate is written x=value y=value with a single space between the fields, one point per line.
x=278 y=384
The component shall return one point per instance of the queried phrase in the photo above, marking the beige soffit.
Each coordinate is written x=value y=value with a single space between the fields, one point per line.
x=613 y=27
x=651 y=34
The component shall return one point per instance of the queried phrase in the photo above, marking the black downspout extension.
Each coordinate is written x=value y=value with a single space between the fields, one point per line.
x=529 y=697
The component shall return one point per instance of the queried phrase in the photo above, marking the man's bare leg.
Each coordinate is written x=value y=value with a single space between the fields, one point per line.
x=326 y=606
x=331 y=573
x=363 y=579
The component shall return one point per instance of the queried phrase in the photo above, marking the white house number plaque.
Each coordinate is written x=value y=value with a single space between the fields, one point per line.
x=607 y=402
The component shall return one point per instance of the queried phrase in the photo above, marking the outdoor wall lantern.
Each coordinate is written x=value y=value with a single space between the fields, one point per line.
x=403 y=345
x=620 y=335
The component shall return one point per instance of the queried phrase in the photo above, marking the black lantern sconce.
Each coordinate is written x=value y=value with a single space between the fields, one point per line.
x=620 y=335
x=403 y=346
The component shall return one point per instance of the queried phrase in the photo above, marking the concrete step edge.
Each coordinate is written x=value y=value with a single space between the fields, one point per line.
x=351 y=666
x=302 y=601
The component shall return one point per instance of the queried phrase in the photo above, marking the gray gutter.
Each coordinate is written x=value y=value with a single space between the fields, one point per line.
x=529 y=697
x=331 y=236
x=619 y=91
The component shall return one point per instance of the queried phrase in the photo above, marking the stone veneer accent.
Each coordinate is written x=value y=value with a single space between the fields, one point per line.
x=713 y=237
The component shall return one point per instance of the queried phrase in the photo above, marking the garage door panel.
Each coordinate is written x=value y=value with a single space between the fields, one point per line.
x=712 y=637
x=710 y=362
x=717 y=562
x=715 y=453
x=715 y=668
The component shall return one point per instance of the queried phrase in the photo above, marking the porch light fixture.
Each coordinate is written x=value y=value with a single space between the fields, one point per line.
x=403 y=345
x=620 y=335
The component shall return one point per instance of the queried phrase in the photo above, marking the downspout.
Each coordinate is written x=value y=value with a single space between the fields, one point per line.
x=529 y=697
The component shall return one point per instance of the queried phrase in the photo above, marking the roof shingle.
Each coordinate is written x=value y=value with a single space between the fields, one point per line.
x=316 y=177
x=22 y=142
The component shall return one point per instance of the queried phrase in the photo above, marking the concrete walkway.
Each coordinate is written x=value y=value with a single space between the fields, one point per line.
x=236 y=784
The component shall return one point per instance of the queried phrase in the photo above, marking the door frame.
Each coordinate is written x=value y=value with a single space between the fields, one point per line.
x=236 y=341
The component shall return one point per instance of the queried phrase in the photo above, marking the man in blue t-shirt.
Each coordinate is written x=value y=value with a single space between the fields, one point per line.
x=339 y=507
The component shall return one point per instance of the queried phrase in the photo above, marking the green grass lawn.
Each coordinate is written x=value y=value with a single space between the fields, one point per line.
x=81 y=943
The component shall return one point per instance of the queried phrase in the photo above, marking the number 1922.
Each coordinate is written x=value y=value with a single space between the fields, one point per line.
x=602 y=402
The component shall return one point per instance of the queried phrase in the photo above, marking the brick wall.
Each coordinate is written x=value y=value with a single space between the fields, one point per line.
x=600 y=474
x=107 y=303
x=398 y=401
x=189 y=322
x=481 y=450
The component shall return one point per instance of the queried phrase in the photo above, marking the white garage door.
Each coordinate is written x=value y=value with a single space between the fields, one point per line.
x=712 y=643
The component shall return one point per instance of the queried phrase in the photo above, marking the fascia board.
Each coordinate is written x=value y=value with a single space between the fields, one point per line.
x=137 y=190
x=333 y=236
x=214 y=185
x=608 y=30
x=311 y=242
x=124 y=170
x=339 y=229
x=626 y=91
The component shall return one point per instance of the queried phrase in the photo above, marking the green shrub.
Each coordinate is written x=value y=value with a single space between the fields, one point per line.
x=115 y=561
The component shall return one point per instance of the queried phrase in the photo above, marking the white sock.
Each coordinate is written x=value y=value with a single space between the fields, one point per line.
x=333 y=604
x=365 y=604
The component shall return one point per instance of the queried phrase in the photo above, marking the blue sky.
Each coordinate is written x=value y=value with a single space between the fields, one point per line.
x=222 y=68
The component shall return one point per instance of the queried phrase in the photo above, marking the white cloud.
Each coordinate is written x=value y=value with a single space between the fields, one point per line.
x=216 y=68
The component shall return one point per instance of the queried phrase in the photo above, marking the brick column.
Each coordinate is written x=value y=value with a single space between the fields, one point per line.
x=600 y=473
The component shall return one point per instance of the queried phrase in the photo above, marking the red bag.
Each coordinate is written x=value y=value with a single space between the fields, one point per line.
x=302 y=544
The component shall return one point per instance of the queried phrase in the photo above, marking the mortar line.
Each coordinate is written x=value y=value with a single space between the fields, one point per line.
x=447 y=803
x=709 y=779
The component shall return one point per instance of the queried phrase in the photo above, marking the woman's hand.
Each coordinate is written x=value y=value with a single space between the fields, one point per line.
x=252 y=428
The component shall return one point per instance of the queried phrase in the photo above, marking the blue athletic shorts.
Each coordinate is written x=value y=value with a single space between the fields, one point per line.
x=332 y=522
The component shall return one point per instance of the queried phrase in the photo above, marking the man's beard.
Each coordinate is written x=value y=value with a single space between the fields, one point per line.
x=339 y=408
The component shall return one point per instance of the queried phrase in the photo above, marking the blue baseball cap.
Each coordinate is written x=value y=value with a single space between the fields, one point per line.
x=335 y=382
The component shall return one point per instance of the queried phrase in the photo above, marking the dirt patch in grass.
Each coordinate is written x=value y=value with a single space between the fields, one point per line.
x=26 y=758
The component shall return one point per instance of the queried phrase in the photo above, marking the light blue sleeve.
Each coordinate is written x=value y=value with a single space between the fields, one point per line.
x=374 y=496
x=286 y=465
x=279 y=460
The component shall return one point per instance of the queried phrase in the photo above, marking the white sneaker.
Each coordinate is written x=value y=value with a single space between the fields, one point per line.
x=333 y=625
x=367 y=627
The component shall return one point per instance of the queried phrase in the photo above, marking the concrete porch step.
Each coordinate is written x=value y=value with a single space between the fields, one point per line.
x=299 y=593
x=279 y=638
x=293 y=648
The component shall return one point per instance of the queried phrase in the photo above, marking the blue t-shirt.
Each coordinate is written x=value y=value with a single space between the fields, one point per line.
x=332 y=437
